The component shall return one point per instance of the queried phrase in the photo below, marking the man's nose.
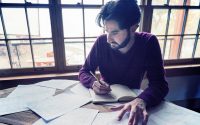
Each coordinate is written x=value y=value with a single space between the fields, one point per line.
x=109 y=38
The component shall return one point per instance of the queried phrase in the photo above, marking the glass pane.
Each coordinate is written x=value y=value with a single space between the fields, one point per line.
x=167 y=49
x=12 y=1
x=74 y=51
x=20 y=53
x=159 y=21
x=43 y=53
x=1 y=30
x=15 y=22
x=139 y=2
x=39 y=21
x=92 y=1
x=192 y=24
x=38 y=1
x=158 y=2
x=176 y=2
x=4 y=63
x=194 y=2
x=197 y=53
x=91 y=27
x=161 y=43
x=89 y=44
x=70 y=1
x=72 y=22
x=172 y=47
x=105 y=1
x=176 y=21
x=187 y=47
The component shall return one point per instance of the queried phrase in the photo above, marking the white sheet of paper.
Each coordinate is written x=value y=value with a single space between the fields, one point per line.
x=81 y=90
x=164 y=114
x=109 y=118
x=136 y=91
x=19 y=103
x=80 y=116
x=172 y=114
x=30 y=90
x=57 y=83
x=58 y=105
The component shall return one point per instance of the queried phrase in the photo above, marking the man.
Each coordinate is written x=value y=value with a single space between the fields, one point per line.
x=123 y=56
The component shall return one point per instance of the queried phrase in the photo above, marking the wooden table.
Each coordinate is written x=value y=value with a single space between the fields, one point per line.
x=29 y=117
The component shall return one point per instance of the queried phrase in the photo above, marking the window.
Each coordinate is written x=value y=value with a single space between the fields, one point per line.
x=38 y=36
x=174 y=24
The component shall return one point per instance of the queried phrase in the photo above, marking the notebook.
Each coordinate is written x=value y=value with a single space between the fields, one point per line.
x=119 y=93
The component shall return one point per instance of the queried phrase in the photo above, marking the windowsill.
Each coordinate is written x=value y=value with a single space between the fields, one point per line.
x=178 y=70
x=52 y=75
x=182 y=66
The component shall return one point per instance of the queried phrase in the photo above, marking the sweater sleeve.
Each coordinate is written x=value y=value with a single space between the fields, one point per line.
x=91 y=64
x=158 y=87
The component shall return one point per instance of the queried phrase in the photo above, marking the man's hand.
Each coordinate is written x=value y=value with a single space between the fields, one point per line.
x=101 y=87
x=137 y=110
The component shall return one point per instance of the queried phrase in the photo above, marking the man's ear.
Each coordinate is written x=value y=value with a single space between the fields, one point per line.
x=134 y=27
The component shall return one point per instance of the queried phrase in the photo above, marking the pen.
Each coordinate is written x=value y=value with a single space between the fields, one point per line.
x=94 y=76
x=98 y=79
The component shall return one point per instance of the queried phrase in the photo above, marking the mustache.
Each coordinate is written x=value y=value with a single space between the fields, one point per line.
x=114 y=43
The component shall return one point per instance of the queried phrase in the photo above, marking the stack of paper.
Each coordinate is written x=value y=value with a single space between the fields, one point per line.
x=57 y=83
x=173 y=114
x=80 y=116
x=81 y=90
x=64 y=109
x=17 y=101
x=31 y=90
x=58 y=105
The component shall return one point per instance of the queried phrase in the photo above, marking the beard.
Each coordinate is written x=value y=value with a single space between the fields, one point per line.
x=116 y=46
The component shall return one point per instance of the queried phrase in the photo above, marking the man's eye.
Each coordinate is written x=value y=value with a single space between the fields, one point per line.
x=114 y=33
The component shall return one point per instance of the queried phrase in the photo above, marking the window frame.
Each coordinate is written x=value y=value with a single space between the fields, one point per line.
x=55 y=9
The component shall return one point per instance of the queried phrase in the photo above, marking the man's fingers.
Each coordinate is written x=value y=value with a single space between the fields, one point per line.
x=102 y=85
x=122 y=112
x=131 y=117
x=116 y=108
x=106 y=85
x=145 y=117
x=99 y=91
x=135 y=116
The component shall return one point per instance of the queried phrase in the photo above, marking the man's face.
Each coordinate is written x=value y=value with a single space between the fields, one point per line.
x=115 y=35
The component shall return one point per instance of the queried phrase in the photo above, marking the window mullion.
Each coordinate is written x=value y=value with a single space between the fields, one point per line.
x=57 y=34
x=196 y=40
x=166 y=32
x=6 y=39
x=29 y=35
x=84 y=44
x=146 y=18
x=182 y=34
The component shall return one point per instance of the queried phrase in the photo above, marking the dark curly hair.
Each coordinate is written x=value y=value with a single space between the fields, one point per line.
x=125 y=12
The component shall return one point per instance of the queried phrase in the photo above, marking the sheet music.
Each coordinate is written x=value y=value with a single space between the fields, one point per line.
x=80 y=116
x=58 y=105
x=57 y=83
x=30 y=90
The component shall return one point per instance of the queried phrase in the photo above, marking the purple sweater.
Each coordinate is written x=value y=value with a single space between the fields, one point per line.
x=129 y=68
